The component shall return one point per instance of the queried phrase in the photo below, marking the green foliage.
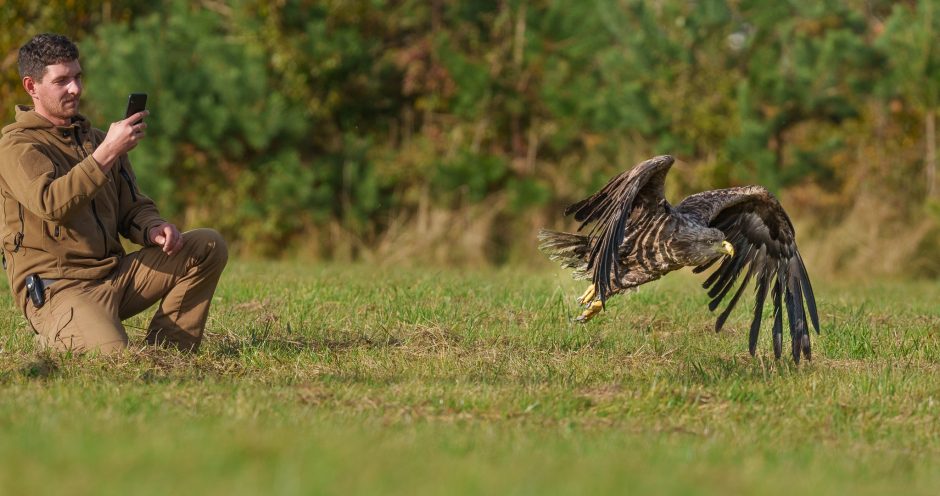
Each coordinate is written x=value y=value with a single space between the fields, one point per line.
x=910 y=46
x=470 y=175
x=277 y=121
x=23 y=19
x=525 y=193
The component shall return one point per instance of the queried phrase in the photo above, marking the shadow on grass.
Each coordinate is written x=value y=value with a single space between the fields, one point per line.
x=43 y=366
x=713 y=370
x=267 y=340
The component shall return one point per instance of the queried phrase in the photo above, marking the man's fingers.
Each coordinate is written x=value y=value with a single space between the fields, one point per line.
x=138 y=132
x=137 y=126
x=174 y=240
x=138 y=116
x=168 y=238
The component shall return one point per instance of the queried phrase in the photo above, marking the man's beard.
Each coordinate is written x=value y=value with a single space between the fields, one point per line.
x=68 y=108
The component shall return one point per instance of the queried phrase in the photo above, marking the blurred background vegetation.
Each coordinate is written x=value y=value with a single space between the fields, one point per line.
x=448 y=132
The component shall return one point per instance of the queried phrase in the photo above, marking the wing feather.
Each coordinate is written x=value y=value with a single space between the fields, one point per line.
x=637 y=192
x=706 y=266
x=727 y=279
x=777 y=332
x=713 y=277
x=808 y=291
x=719 y=295
x=795 y=313
x=734 y=299
x=761 y=294
x=765 y=243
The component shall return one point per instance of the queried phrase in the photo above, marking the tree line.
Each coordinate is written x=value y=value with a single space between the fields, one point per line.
x=450 y=131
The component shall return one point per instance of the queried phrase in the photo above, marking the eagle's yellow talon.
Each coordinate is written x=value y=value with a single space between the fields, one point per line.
x=587 y=296
x=589 y=312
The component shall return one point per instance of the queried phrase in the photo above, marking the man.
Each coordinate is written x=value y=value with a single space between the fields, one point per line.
x=67 y=192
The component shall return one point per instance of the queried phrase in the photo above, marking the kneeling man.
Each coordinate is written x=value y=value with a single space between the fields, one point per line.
x=68 y=193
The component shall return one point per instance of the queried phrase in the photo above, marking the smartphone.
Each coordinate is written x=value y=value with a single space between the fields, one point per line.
x=136 y=102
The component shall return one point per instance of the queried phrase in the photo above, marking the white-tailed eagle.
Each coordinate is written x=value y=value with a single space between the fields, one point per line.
x=638 y=237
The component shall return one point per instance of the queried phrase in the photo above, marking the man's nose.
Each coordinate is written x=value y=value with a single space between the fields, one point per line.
x=75 y=87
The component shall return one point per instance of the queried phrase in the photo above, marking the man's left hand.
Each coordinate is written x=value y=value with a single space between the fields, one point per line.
x=168 y=237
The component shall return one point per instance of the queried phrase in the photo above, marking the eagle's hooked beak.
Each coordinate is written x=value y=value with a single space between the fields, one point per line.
x=727 y=248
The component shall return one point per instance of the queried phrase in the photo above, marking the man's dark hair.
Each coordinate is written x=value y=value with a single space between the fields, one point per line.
x=43 y=50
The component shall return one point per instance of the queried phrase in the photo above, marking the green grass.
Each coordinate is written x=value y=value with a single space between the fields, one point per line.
x=336 y=380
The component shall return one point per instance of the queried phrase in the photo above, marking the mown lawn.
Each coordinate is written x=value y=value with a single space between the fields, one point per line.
x=338 y=380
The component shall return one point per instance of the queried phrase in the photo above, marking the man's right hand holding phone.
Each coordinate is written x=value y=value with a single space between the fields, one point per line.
x=122 y=137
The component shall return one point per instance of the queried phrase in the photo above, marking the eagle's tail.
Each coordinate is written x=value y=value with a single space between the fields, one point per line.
x=569 y=249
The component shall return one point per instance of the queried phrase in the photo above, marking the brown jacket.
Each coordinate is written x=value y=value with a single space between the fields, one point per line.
x=61 y=213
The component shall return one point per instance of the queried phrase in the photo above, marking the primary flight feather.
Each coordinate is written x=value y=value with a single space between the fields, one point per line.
x=638 y=237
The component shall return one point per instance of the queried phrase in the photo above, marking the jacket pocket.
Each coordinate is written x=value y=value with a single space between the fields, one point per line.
x=52 y=234
x=49 y=328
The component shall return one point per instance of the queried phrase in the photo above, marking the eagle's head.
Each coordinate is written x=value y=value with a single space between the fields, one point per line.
x=698 y=246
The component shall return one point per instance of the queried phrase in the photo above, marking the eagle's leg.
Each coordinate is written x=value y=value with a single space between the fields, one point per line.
x=592 y=302
x=588 y=295
x=590 y=311
x=592 y=305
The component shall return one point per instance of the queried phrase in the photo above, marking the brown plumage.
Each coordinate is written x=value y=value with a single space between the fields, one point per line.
x=638 y=237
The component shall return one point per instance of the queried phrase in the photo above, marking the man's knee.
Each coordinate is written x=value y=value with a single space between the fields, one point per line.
x=210 y=243
x=83 y=329
x=78 y=345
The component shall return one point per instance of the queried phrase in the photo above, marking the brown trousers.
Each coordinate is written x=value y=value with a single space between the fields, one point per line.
x=86 y=315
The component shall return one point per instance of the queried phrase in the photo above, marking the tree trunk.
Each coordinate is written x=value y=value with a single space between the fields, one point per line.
x=930 y=162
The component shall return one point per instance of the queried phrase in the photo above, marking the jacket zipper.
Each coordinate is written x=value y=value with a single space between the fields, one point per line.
x=130 y=183
x=94 y=209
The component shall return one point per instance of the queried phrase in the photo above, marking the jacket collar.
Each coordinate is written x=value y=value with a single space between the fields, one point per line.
x=28 y=118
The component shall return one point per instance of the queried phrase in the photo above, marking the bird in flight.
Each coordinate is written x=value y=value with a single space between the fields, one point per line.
x=636 y=237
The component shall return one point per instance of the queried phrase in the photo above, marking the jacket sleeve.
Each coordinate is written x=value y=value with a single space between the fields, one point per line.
x=137 y=213
x=31 y=179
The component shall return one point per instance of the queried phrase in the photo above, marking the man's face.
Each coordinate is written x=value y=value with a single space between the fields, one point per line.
x=56 y=97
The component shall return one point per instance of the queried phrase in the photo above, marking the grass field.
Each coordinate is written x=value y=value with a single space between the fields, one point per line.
x=338 y=380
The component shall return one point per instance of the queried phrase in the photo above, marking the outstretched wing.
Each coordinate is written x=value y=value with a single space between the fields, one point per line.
x=637 y=191
x=764 y=240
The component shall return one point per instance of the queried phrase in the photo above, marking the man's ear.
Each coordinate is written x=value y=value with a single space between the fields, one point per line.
x=29 y=84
